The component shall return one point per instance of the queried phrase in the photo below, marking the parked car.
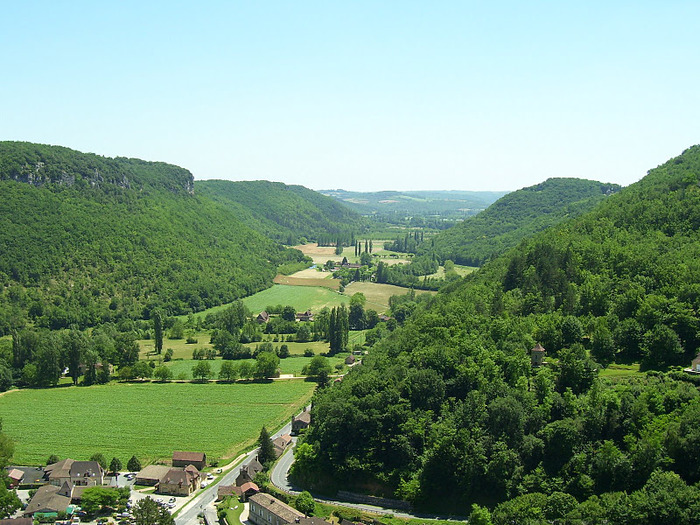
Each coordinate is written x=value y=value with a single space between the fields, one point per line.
x=172 y=500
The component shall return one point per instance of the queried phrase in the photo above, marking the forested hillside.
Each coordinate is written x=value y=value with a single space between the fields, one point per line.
x=86 y=239
x=447 y=411
x=515 y=216
x=287 y=213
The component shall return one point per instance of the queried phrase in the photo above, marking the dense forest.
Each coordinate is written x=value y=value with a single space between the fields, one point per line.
x=448 y=413
x=515 y=216
x=87 y=239
x=287 y=213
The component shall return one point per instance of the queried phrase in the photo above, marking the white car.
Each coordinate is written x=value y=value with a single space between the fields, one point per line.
x=204 y=484
x=210 y=476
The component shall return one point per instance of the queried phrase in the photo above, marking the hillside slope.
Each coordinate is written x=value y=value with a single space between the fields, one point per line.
x=448 y=411
x=286 y=213
x=516 y=216
x=86 y=239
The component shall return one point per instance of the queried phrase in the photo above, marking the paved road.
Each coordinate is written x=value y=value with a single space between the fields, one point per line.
x=204 y=501
x=279 y=478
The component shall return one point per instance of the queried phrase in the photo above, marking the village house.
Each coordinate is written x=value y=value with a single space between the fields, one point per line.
x=151 y=475
x=281 y=443
x=180 y=482
x=301 y=422
x=263 y=317
x=15 y=476
x=695 y=364
x=304 y=316
x=81 y=473
x=248 y=472
x=268 y=510
x=350 y=360
x=49 y=500
x=243 y=492
x=183 y=459
x=537 y=355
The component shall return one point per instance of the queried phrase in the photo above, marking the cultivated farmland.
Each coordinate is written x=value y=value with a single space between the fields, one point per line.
x=149 y=420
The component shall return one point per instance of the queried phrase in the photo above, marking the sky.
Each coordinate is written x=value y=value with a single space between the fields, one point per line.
x=364 y=96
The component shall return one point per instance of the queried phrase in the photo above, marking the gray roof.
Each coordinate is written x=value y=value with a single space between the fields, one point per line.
x=153 y=472
x=47 y=499
x=86 y=469
x=276 y=507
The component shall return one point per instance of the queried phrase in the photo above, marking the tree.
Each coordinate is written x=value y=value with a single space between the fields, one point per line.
x=53 y=458
x=177 y=331
x=96 y=498
x=319 y=366
x=115 y=465
x=266 y=452
x=133 y=465
x=245 y=370
x=99 y=457
x=228 y=371
x=266 y=364
x=201 y=371
x=74 y=346
x=305 y=503
x=148 y=512
x=163 y=373
x=9 y=502
x=289 y=313
x=158 y=330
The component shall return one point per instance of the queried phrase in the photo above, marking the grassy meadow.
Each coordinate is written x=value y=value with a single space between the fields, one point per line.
x=290 y=365
x=148 y=420
x=378 y=295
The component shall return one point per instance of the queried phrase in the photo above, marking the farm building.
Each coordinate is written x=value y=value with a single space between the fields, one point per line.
x=182 y=459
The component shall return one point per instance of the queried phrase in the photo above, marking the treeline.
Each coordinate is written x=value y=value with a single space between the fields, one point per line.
x=447 y=410
x=85 y=254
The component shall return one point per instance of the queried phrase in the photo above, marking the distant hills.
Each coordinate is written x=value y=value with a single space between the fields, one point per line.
x=444 y=204
x=516 y=216
x=86 y=239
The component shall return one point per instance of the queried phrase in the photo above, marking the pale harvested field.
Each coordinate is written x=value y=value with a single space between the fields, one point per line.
x=293 y=280
x=319 y=254
x=377 y=294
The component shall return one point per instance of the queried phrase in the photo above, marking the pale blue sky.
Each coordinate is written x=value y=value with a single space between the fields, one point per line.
x=468 y=95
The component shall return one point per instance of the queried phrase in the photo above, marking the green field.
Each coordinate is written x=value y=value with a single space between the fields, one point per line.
x=300 y=297
x=378 y=295
x=290 y=365
x=149 y=420
x=619 y=370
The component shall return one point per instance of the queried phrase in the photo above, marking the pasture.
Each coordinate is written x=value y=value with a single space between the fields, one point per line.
x=377 y=295
x=300 y=297
x=148 y=420
x=291 y=365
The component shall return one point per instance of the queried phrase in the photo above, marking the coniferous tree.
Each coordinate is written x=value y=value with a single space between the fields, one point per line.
x=158 y=331
x=266 y=453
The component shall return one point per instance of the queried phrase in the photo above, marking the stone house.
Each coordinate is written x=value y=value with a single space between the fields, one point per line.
x=301 y=422
x=248 y=472
x=80 y=473
x=180 y=482
x=537 y=355
x=268 y=510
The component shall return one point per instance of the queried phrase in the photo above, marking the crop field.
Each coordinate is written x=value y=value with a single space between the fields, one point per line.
x=294 y=280
x=377 y=295
x=290 y=365
x=147 y=420
x=300 y=297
